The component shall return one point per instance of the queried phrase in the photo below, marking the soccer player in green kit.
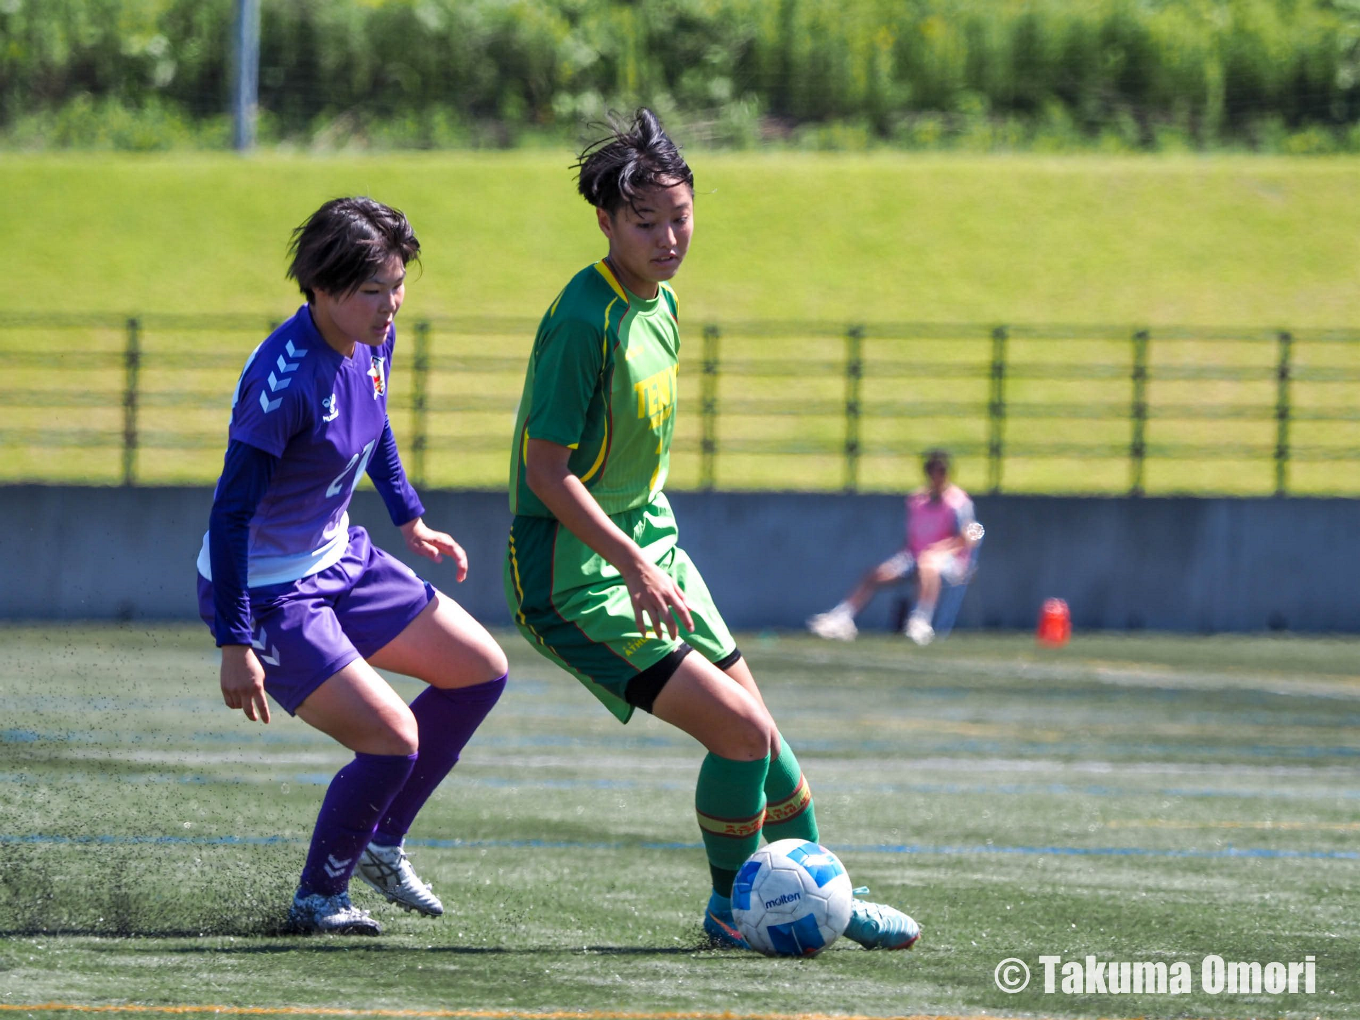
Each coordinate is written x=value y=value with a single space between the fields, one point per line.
x=594 y=575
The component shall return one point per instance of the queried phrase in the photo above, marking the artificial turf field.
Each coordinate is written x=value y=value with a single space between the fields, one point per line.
x=1144 y=798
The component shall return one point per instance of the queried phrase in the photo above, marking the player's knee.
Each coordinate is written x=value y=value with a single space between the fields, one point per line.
x=495 y=664
x=749 y=739
x=399 y=736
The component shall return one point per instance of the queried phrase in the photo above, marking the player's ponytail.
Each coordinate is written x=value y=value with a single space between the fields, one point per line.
x=632 y=159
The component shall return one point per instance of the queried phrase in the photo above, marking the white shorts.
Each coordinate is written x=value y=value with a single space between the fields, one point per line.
x=952 y=569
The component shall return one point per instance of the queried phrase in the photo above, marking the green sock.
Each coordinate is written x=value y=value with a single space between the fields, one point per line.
x=789 y=813
x=730 y=803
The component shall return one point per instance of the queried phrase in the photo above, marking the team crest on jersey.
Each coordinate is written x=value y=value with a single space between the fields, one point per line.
x=379 y=376
x=329 y=406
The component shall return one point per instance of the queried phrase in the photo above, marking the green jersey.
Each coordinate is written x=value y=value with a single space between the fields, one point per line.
x=602 y=381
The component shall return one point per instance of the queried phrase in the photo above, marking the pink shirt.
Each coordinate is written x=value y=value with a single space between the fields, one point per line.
x=933 y=520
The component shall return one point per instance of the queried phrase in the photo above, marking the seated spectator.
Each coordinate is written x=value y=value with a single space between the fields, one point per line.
x=942 y=534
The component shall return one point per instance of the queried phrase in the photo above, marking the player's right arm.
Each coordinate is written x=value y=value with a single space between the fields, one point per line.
x=246 y=473
x=569 y=358
x=262 y=424
x=653 y=592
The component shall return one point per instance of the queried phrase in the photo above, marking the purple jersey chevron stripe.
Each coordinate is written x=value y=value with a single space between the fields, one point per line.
x=323 y=415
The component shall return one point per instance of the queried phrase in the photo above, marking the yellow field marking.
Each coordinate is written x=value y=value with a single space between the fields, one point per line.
x=465 y=1014
x=1161 y=823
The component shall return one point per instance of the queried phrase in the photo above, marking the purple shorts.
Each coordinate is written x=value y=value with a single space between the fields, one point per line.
x=306 y=631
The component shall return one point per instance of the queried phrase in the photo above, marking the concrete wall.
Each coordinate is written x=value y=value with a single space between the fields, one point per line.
x=771 y=559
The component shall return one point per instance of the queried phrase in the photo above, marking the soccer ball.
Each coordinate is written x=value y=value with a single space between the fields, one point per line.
x=792 y=898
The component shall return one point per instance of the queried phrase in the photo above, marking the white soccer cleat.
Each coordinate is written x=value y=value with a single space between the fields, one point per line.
x=920 y=630
x=334 y=915
x=833 y=626
x=388 y=870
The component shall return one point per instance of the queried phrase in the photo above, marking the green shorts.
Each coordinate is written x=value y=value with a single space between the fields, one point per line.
x=573 y=606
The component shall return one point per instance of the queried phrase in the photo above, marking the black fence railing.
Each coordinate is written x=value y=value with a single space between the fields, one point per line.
x=144 y=400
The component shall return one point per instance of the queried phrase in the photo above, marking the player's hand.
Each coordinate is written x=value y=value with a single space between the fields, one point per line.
x=434 y=545
x=243 y=682
x=655 y=594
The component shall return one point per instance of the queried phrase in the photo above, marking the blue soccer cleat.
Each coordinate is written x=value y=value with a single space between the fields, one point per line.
x=720 y=926
x=331 y=915
x=879 y=926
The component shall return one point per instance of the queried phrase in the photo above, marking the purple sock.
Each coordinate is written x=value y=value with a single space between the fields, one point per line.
x=446 y=720
x=357 y=798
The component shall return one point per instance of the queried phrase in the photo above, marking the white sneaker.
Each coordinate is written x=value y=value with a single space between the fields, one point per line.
x=388 y=870
x=331 y=914
x=920 y=630
x=833 y=626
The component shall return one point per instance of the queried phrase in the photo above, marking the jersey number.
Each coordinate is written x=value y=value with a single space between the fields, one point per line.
x=359 y=458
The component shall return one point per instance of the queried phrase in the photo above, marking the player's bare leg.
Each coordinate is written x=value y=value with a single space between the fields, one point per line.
x=919 y=627
x=734 y=725
x=445 y=647
x=357 y=708
x=716 y=710
x=466 y=671
x=838 y=623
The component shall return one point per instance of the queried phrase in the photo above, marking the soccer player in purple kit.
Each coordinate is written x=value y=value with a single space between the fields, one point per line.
x=304 y=606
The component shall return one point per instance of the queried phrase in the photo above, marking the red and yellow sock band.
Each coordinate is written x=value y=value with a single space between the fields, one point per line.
x=736 y=828
x=791 y=806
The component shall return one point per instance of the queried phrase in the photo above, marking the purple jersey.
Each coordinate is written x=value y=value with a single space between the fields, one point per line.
x=323 y=415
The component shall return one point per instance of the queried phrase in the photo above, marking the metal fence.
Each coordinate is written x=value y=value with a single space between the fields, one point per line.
x=144 y=400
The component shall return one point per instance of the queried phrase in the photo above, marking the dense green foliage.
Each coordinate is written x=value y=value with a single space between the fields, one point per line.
x=1047 y=74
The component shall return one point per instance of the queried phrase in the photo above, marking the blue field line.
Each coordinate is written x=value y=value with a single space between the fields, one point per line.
x=1263 y=853
x=823 y=786
x=974 y=748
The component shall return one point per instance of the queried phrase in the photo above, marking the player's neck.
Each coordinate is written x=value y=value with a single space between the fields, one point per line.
x=645 y=289
x=330 y=332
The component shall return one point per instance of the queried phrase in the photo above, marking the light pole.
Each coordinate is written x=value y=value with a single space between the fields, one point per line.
x=246 y=98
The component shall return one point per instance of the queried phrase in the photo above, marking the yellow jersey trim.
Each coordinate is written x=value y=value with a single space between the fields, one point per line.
x=603 y=269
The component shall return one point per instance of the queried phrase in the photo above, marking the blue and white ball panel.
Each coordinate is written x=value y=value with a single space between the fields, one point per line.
x=802 y=937
x=741 y=887
x=817 y=861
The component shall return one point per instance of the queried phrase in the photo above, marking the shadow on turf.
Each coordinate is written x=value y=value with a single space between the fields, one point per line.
x=335 y=944
x=325 y=944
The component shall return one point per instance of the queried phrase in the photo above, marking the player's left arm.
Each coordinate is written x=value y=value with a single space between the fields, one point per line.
x=968 y=531
x=405 y=508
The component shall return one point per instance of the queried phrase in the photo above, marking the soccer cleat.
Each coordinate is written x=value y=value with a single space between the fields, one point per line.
x=388 y=870
x=833 y=626
x=879 y=926
x=720 y=926
x=920 y=630
x=333 y=915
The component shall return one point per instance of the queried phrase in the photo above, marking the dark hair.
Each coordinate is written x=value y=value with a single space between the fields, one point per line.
x=344 y=242
x=936 y=458
x=630 y=160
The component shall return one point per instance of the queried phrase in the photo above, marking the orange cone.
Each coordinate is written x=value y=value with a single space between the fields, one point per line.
x=1055 y=624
